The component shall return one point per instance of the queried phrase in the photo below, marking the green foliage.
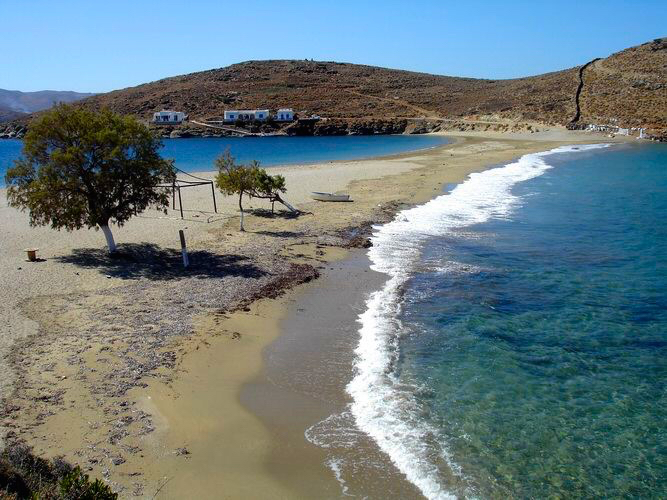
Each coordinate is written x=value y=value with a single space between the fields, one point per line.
x=250 y=180
x=77 y=486
x=268 y=186
x=233 y=178
x=83 y=169
x=26 y=476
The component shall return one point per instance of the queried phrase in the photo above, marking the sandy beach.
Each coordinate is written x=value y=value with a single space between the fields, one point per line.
x=166 y=382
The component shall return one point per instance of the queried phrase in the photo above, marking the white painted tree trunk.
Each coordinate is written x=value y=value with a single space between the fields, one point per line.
x=111 y=244
x=241 y=209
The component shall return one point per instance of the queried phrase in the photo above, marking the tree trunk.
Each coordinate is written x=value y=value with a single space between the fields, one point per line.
x=241 y=208
x=111 y=244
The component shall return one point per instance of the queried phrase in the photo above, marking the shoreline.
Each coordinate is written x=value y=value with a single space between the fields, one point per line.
x=390 y=156
x=546 y=134
x=401 y=182
x=300 y=395
x=322 y=162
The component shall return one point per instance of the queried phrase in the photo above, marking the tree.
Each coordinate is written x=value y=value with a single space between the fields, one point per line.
x=234 y=179
x=81 y=168
x=269 y=186
x=250 y=180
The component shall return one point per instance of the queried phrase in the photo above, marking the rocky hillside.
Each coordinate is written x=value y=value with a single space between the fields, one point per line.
x=349 y=92
x=627 y=89
x=29 y=102
x=7 y=114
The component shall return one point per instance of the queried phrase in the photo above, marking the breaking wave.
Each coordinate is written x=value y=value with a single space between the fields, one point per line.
x=385 y=407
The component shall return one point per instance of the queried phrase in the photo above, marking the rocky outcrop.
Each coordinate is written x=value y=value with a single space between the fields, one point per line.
x=362 y=127
x=12 y=130
x=297 y=128
x=314 y=128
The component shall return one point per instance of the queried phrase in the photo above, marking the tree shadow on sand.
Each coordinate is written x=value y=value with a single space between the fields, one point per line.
x=149 y=261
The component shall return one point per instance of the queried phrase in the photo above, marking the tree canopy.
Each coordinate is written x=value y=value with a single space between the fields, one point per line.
x=82 y=168
x=268 y=186
x=250 y=180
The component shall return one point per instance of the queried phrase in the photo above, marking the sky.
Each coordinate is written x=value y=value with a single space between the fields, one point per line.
x=98 y=46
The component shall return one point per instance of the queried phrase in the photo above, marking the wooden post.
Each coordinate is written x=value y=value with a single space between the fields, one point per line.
x=215 y=207
x=180 y=202
x=184 y=250
x=173 y=195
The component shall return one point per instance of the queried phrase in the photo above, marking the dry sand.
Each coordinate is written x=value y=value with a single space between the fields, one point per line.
x=134 y=369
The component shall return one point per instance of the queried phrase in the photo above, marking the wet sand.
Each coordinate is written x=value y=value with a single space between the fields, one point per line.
x=302 y=387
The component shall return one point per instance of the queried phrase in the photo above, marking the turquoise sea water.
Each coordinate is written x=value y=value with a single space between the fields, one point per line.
x=519 y=349
x=10 y=150
x=199 y=154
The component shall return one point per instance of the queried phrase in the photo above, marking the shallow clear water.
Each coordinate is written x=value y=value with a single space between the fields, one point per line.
x=520 y=346
x=199 y=154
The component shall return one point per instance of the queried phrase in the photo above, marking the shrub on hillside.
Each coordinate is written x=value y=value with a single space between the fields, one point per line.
x=26 y=476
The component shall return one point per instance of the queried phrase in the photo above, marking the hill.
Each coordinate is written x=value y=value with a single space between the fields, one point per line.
x=627 y=89
x=29 y=102
x=7 y=114
x=347 y=91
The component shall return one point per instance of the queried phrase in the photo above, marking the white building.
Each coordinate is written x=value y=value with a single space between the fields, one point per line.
x=168 y=117
x=245 y=115
x=285 y=115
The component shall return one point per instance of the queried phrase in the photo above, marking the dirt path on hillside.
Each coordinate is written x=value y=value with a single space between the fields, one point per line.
x=426 y=113
x=625 y=74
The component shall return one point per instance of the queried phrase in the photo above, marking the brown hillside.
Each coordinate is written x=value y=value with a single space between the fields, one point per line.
x=629 y=86
x=628 y=89
x=348 y=91
x=7 y=114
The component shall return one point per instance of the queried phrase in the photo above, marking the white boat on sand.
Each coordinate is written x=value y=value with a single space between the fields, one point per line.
x=316 y=195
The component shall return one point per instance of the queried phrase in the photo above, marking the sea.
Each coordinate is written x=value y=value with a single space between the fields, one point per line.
x=519 y=346
x=199 y=154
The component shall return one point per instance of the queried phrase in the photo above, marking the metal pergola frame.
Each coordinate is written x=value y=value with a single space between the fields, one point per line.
x=177 y=184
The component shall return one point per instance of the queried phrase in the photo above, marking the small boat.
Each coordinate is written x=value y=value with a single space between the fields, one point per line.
x=316 y=195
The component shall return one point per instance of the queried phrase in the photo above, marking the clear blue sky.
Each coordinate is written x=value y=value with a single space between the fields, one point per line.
x=97 y=46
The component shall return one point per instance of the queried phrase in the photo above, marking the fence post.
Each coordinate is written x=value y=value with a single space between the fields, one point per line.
x=215 y=207
x=184 y=250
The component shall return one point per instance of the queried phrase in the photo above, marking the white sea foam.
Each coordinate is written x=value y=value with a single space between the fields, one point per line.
x=335 y=431
x=335 y=466
x=383 y=406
